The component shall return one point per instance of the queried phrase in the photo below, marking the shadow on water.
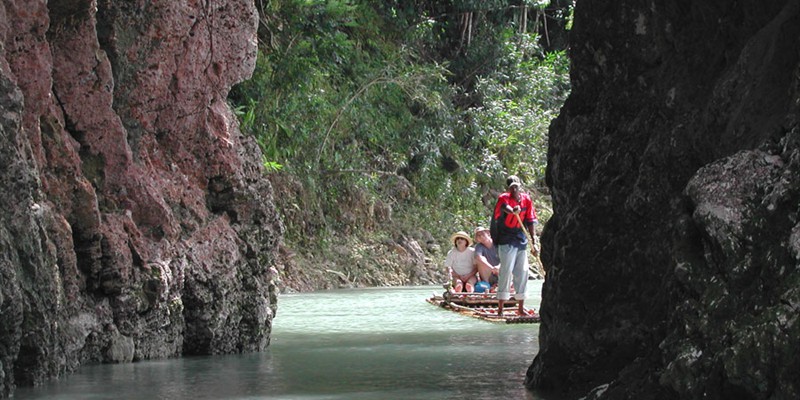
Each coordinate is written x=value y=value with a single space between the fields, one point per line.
x=343 y=344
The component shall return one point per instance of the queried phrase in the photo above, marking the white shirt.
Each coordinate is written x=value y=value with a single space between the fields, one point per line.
x=460 y=261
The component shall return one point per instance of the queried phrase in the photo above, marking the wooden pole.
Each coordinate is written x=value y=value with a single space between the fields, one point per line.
x=541 y=272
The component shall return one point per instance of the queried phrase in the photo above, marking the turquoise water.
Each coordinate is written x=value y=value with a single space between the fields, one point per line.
x=344 y=344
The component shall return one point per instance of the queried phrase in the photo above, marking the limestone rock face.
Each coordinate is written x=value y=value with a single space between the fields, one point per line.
x=134 y=220
x=674 y=248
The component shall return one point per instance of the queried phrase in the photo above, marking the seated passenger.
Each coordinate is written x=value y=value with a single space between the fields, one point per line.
x=459 y=262
x=486 y=259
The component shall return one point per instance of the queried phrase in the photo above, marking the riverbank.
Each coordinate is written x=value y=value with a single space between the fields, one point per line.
x=380 y=261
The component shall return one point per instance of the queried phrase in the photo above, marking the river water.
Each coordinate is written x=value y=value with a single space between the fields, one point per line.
x=343 y=344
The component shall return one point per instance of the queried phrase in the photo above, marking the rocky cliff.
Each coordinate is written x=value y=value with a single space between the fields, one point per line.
x=134 y=223
x=674 y=249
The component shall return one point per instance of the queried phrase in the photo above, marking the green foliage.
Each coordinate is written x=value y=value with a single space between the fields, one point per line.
x=351 y=98
x=519 y=99
x=333 y=86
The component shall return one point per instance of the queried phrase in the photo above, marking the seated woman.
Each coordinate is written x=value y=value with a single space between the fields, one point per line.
x=460 y=262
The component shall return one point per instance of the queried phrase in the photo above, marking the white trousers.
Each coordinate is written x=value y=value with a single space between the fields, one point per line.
x=513 y=264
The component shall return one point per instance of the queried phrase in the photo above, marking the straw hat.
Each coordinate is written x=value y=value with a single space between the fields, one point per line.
x=463 y=235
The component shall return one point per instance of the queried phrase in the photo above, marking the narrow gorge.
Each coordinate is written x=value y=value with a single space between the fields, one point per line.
x=136 y=222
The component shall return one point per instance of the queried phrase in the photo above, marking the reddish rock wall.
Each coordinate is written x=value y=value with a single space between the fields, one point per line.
x=134 y=222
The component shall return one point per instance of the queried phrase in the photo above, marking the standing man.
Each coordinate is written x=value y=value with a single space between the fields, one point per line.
x=513 y=207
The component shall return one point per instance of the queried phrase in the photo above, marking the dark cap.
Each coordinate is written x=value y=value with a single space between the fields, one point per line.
x=513 y=180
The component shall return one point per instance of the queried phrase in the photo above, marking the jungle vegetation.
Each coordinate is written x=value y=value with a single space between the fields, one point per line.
x=408 y=113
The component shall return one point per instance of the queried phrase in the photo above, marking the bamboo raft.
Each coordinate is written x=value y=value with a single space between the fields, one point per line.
x=484 y=306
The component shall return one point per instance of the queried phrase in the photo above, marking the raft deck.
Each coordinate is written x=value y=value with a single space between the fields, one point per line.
x=484 y=306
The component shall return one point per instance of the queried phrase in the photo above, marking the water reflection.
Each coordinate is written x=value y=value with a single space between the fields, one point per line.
x=347 y=344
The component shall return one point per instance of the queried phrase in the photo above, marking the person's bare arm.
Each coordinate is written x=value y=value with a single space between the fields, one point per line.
x=480 y=260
